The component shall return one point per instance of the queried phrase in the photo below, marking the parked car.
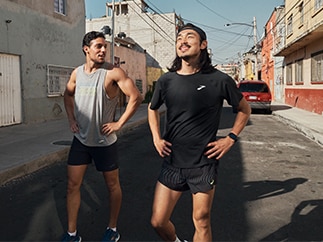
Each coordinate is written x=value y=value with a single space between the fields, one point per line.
x=257 y=94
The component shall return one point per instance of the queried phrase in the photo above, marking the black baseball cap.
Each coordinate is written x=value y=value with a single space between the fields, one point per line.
x=201 y=33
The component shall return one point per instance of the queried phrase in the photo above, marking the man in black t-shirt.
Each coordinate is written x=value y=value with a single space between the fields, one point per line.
x=193 y=92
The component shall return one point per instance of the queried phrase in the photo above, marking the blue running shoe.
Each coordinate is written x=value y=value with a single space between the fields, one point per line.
x=110 y=236
x=67 y=238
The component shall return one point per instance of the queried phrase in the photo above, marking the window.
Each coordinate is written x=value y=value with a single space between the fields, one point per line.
x=289 y=74
x=290 y=25
x=301 y=13
x=317 y=68
x=57 y=77
x=60 y=6
x=253 y=87
x=318 y=4
x=299 y=72
x=139 y=85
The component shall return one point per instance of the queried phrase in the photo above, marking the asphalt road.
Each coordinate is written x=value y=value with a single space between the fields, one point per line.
x=270 y=189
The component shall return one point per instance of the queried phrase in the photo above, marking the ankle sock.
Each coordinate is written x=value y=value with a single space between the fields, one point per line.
x=72 y=234
x=114 y=229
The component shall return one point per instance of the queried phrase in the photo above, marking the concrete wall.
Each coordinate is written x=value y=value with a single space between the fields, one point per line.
x=305 y=95
x=40 y=37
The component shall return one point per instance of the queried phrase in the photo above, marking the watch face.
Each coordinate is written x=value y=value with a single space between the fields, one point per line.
x=233 y=136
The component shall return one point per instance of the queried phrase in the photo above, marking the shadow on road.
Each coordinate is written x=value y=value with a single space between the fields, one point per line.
x=255 y=190
x=306 y=224
x=277 y=107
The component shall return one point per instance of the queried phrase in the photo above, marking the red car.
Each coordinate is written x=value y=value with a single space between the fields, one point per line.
x=257 y=94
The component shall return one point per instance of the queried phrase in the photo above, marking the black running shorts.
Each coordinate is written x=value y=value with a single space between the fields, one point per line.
x=105 y=157
x=198 y=179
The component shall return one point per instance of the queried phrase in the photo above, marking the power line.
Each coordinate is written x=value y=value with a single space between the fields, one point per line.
x=153 y=27
x=160 y=12
x=213 y=11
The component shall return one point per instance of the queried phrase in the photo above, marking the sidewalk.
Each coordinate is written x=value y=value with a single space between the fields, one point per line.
x=27 y=148
x=307 y=123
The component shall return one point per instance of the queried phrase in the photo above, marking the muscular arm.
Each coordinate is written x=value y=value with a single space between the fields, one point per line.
x=69 y=102
x=128 y=87
x=220 y=147
x=242 y=117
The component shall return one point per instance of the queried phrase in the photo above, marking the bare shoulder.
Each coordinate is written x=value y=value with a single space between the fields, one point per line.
x=116 y=74
x=71 y=84
x=72 y=78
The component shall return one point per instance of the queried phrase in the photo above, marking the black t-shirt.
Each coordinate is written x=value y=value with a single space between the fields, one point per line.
x=194 y=104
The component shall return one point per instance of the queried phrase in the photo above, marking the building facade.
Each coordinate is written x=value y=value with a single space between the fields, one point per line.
x=303 y=54
x=272 y=66
x=40 y=44
x=131 y=61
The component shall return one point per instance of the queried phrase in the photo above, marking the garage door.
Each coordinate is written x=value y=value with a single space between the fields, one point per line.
x=10 y=90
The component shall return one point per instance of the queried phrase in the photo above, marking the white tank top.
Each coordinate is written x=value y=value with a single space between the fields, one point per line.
x=93 y=108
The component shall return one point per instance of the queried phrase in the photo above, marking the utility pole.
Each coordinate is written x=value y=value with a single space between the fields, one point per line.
x=254 y=26
x=112 y=35
x=256 y=47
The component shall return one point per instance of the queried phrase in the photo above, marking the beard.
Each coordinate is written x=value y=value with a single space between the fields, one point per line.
x=185 y=57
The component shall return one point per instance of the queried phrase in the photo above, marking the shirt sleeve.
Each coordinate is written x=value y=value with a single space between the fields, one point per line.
x=233 y=94
x=156 y=100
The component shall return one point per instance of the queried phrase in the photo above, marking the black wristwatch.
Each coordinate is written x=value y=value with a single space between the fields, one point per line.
x=233 y=136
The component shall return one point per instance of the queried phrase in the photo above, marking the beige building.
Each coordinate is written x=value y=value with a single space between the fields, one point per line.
x=131 y=61
x=303 y=52
x=40 y=43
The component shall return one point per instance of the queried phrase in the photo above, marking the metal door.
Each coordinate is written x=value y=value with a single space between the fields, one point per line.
x=10 y=90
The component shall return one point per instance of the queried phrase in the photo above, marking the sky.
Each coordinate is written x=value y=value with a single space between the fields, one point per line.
x=227 y=43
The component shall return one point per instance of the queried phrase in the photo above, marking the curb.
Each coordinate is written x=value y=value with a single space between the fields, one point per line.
x=34 y=165
x=308 y=132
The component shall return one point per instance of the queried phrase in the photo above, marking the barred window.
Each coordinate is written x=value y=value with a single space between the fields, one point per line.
x=139 y=85
x=57 y=77
x=60 y=6
x=290 y=25
x=289 y=74
x=299 y=72
x=318 y=4
x=301 y=12
x=317 y=67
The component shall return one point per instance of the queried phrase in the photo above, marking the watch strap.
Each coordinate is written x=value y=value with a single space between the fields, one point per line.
x=233 y=136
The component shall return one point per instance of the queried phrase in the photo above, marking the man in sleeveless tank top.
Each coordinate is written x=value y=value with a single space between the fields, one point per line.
x=91 y=98
x=193 y=92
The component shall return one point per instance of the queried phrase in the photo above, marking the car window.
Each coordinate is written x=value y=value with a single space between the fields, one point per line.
x=253 y=87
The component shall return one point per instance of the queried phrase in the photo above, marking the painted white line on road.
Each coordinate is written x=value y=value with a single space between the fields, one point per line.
x=287 y=144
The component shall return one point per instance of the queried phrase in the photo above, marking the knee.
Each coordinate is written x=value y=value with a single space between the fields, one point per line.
x=202 y=219
x=113 y=186
x=73 y=186
x=156 y=223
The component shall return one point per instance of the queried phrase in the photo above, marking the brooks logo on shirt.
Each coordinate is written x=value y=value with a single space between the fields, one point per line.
x=200 y=87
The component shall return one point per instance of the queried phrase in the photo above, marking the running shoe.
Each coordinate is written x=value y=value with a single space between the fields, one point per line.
x=110 y=236
x=67 y=238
